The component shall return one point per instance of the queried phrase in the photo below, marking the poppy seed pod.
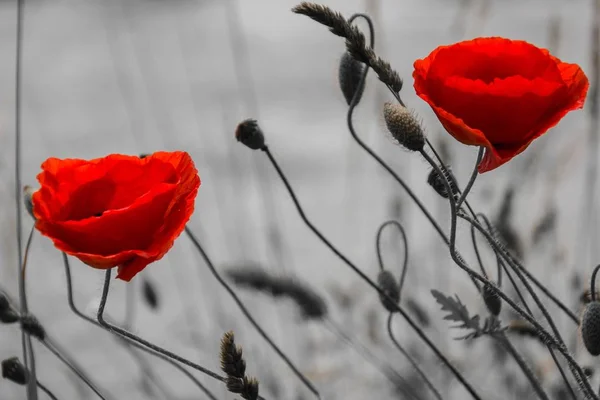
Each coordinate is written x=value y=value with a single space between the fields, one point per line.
x=349 y=77
x=436 y=181
x=491 y=299
x=403 y=126
x=387 y=283
x=9 y=316
x=249 y=134
x=590 y=328
x=14 y=371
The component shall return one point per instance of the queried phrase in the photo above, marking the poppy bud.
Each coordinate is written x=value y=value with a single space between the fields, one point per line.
x=249 y=133
x=349 y=77
x=150 y=294
x=590 y=328
x=9 y=316
x=27 y=199
x=388 y=284
x=14 y=371
x=491 y=299
x=403 y=126
x=436 y=181
x=31 y=325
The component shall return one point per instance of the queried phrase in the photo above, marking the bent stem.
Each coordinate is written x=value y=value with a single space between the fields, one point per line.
x=412 y=362
x=125 y=340
x=422 y=335
x=72 y=365
x=405 y=244
x=122 y=332
x=249 y=316
x=556 y=341
x=387 y=370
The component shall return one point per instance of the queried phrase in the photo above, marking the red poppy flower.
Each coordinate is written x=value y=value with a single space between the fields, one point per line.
x=498 y=93
x=119 y=210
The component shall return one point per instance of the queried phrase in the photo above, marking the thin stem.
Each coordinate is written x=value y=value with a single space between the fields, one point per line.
x=405 y=244
x=46 y=390
x=502 y=265
x=29 y=362
x=557 y=341
x=465 y=192
x=414 y=364
x=501 y=337
x=122 y=332
x=388 y=371
x=477 y=254
x=500 y=249
x=249 y=316
x=78 y=313
x=28 y=353
x=72 y=365
x=593 y=282
x=371 y=283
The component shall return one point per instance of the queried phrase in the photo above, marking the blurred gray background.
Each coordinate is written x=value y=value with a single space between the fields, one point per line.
x=138 y=76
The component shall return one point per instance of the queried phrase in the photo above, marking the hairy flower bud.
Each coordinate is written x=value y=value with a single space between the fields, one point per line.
x=349 y=77
x=491 y=299
x=403 y=126
x=388 y=284
x=249 y=133
x=436 y=181
x=590 y=328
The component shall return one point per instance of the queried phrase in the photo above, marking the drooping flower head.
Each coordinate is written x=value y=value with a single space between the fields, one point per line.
x=498 y=93
x=116 y=211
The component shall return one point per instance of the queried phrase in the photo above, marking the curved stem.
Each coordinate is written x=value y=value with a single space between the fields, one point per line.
x=130 y=342
x=249 y=316
x=373 y=285
x=26 y=337
x=593 y=283
x=412 y=362
x=557 y=341
x=404 y=242
x=465 y=192
x=46 y=390
x=60 y=354
x=502 y=265
x=388 y=371
x=500 y=249
x=501 y=337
